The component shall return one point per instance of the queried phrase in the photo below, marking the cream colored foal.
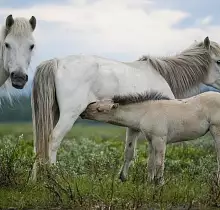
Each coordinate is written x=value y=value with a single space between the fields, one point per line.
x=162 y=121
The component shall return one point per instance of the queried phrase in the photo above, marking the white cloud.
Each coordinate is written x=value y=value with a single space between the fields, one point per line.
x=207 y=20
x=109 y=28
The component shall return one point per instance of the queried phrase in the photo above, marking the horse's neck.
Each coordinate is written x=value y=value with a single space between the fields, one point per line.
x=194 y=91
x=147 y=67
x=3 y=74
x=127 y=115
x=151 y=72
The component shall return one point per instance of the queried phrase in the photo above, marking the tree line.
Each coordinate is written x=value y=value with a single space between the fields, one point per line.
x=20 y=111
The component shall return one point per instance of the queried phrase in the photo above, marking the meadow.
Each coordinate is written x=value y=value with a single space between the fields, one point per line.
x=86 y=176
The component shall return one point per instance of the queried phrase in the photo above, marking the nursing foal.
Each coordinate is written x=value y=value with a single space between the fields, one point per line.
x=162 y=121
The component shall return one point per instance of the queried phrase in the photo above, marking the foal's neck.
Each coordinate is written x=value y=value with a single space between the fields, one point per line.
x=129 y=115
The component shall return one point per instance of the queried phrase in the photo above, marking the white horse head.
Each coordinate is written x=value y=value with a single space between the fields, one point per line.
x=17 y=44
x=213 y=77
x=200 y=63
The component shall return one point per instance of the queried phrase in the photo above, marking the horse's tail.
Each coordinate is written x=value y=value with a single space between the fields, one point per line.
x=44 y=108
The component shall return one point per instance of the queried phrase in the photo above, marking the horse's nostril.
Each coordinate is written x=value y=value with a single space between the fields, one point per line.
x=12 y=74
x=26 y=77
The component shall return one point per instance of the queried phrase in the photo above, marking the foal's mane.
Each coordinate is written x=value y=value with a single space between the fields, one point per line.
x=187 y=69
x=139 y=97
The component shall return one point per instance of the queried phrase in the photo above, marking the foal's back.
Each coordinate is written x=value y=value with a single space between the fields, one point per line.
x=182 y=119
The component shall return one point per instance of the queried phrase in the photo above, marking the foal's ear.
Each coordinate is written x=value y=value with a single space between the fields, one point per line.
x=9 y=22
x=33 y=22
x=207 y=43
x=115 y=105
x=107 y=107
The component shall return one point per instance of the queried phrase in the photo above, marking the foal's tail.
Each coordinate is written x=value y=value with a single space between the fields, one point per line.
x=44 y=108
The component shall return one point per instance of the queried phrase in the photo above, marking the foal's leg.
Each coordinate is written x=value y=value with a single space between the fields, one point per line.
x=159 y=147
x=130 y=146
x=215 y=131
x=151 y=160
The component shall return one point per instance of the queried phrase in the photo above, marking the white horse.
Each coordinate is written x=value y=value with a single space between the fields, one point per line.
x=162 y=121
x=62 y=88
x=16 y=48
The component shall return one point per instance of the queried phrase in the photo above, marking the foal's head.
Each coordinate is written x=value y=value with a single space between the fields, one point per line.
x=99 y=110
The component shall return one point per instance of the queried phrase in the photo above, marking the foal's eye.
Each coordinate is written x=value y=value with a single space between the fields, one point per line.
x=32 y=47
x=218 y=62
x=7 y=45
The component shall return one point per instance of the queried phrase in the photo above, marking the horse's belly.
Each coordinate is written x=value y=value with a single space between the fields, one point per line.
x=190 y=132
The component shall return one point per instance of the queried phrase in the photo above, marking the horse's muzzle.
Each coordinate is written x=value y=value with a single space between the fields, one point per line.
x=18 y=79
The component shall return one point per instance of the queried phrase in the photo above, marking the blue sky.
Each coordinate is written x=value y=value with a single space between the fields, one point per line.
x=197 y=8
x=116 y=29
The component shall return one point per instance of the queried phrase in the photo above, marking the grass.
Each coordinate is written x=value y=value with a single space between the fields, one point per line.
x=86 y=176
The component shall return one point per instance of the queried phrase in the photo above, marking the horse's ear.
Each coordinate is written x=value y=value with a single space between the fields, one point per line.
x=33 y=22
x=9 y=22
x=207 y=43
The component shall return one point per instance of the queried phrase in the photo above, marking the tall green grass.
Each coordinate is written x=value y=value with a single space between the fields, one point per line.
x=86 y=176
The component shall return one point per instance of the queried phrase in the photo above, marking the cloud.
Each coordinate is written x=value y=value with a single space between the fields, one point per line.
x=122 y=30
x=207 y=20
x=204 y=21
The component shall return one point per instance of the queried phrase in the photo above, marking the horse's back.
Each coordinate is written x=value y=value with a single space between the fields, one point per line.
x=107 y=77
x=211 y=105
x=84 y=59
x=208 y=100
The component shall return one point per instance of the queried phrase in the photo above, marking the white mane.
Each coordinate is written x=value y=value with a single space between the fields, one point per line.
x=186 y=70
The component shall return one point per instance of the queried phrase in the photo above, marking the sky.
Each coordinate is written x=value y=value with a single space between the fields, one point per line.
x=122 y=30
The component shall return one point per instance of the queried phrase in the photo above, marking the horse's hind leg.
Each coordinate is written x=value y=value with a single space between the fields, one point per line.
x=215 y=131
x=69 y=113
x=129 y=152
x=63 y=126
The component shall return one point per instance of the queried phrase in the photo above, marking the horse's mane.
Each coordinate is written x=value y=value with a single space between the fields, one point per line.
x=139 y=97
x=187 y=69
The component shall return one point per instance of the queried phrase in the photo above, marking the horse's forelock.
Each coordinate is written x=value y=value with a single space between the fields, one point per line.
x=21 y=28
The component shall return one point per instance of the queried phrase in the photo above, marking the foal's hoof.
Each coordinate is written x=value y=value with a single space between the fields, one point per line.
x=122 y=177
x=159 y=182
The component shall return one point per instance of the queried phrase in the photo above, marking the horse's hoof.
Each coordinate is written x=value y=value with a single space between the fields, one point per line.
x=122 y=177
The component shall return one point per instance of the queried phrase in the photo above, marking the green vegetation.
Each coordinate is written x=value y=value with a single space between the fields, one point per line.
x=18 y=111
x=86 y=176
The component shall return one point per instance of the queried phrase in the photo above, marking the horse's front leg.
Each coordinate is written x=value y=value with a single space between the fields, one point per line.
x=129 y=152
x=159 y=147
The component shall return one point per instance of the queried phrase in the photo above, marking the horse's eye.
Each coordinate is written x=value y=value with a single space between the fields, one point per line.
x=7 y=45
x=218 y=62
x=32 y=47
